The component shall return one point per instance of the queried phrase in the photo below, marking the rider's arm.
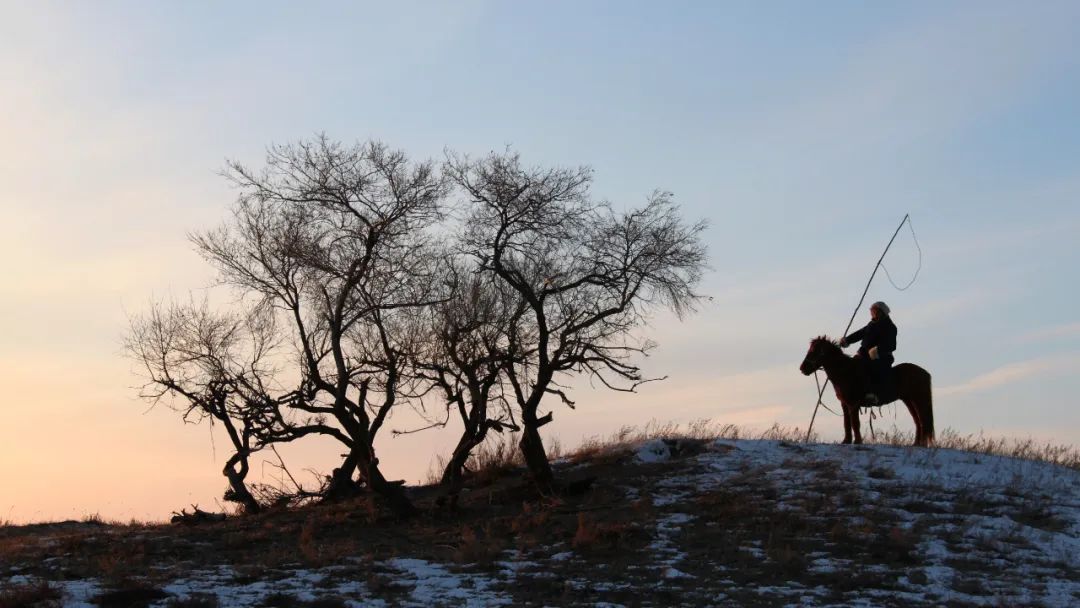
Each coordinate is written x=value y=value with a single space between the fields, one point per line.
x=857 y=336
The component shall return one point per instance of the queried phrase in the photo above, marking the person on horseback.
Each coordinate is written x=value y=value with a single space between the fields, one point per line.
x=876 y=351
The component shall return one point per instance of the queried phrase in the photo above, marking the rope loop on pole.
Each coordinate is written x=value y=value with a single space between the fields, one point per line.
x=917 y=268
x=821 y=387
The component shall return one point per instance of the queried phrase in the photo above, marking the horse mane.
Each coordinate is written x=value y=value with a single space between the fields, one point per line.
x=833 y=345
x=824 y=338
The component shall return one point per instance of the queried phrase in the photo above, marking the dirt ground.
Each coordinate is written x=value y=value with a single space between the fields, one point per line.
x=709 y=523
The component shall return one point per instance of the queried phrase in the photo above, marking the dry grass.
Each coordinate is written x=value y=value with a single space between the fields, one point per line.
x=40 y=594
x=628 y=438
x=593 y=534
x=480 y=545
x=196 y=601
x=499 y=456
x=1025 y=448
x=494 y=458
x=748 y=527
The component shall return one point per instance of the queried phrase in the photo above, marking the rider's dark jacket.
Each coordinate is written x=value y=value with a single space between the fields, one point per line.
x=880 y=333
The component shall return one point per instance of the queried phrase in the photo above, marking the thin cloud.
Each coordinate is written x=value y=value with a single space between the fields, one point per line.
x=1068 y=330
x=1013 y=373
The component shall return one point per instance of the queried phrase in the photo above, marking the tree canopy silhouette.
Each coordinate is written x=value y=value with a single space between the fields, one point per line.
x=362 y=286
x=588 y=275
x=334 y=240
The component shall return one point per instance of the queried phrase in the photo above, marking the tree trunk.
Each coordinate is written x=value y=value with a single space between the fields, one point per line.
x=236 y=470
x=342 y=485
x=394 y=493
x=532 y=449
x=452 y=474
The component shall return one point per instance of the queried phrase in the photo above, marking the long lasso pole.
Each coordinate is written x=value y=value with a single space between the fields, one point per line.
x=821 y=389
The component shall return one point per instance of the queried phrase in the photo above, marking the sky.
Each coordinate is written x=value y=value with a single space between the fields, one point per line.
x=803 y=132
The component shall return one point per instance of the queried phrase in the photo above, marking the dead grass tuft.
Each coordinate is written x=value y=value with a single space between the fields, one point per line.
x=494 y=459
x=287 y=600
x=709 y=430
x=130 y=593
x=479 y=545
x=607 y=449
x=533 y=516
x=592 y=534
x=200 y=600
x=306 y=543
x=39 y=594
x=1024 y=448
x=319 y=545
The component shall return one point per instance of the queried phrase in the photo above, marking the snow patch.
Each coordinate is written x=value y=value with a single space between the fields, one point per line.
x=656 y=450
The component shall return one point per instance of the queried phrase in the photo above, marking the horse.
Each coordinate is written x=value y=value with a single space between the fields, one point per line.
x=911 y=381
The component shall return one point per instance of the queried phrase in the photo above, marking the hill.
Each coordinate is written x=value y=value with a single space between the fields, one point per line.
x=675 y=521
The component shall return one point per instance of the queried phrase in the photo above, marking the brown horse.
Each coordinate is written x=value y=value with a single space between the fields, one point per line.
x=912 y=387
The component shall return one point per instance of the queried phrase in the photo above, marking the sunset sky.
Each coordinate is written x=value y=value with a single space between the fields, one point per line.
x=802 y=131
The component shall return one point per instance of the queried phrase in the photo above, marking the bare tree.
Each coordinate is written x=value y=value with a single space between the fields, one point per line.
x=354 y=310
x=213 y=366
x=588 y=275
x=332 y=239
x=470 y=341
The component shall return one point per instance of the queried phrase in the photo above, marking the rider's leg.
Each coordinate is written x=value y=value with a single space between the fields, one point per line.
x=870 y=381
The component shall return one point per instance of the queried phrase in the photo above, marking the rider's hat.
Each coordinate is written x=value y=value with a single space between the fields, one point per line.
x=881 y=306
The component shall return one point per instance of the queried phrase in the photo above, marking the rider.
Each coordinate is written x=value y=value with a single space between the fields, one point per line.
x=878 y=343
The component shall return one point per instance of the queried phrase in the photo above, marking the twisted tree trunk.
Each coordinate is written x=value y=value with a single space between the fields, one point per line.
x=236 y=469
x=452 y=476
x=342 y=485
x=532 y=450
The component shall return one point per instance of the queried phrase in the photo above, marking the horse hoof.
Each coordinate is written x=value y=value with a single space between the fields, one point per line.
x=845 y=442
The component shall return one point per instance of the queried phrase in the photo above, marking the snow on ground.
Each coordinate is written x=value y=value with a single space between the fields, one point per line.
x=666 y=547
x=435 y=583
x=655 y=450
x=422 y=583
x=1016 y=517
x=900 y=478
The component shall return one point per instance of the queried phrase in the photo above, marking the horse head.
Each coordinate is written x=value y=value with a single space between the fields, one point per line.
x=820 y=347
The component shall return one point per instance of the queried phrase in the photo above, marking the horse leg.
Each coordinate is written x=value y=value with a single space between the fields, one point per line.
x=847 y=421
x=855 y=424
x=917 y=418
x=928 y=414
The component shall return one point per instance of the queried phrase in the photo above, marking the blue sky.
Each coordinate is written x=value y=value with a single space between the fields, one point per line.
x=802 y=131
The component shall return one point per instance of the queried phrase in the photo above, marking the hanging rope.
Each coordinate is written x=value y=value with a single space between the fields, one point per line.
x=917 y=268
x=821 y=388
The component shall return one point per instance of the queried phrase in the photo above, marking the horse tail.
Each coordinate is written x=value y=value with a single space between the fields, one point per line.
x=928 y=415
x=916 y=391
